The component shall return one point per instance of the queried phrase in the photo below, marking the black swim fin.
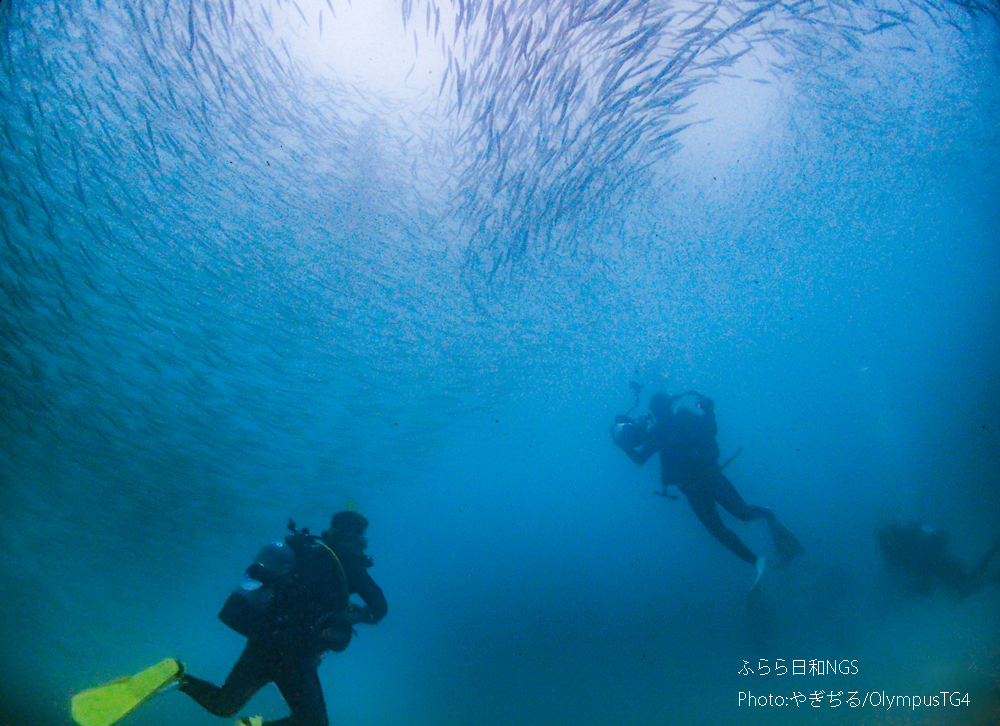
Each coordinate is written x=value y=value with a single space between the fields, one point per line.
x=787 y=545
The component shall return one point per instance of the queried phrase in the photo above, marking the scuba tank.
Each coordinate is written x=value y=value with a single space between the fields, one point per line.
x=300 y=578
x=249 y=602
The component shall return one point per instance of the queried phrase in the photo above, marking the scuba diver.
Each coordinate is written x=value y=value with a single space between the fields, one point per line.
x=919 y=558
x=292 y=605
x=689 y=455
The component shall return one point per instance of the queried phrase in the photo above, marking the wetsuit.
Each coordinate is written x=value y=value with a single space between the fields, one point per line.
x=689 y=457
x=287 y=650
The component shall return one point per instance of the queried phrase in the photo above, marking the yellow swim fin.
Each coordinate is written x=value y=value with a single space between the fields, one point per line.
x=110 y=703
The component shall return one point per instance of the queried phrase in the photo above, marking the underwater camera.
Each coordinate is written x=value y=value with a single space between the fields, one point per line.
x=628 y=432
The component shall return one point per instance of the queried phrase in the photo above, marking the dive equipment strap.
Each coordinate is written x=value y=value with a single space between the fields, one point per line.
x=341 y=574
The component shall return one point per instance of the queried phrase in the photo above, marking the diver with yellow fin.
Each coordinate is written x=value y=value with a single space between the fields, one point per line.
x=689 y=454
x=292 y=605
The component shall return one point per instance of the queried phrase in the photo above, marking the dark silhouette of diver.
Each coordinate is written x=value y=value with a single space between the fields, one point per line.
x=308 y=613
x=689 y=457
x=919 y=557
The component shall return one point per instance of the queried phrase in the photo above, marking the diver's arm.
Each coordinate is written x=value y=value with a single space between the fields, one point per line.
x=375 y=607
x=640 y=456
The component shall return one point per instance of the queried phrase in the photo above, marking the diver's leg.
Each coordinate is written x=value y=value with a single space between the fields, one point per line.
x=704 y=508
x=785 y=542
x=725 y=494
x=298 y=681
x=252 y=672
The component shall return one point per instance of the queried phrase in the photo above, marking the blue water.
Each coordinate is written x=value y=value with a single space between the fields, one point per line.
x=249 y=271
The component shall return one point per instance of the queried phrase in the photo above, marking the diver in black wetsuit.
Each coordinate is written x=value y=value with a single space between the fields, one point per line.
x=689 y=457
x=919 y=557
x=310 y=613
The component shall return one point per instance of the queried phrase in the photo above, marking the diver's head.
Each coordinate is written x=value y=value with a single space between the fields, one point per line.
x=661 y=405
x=347 y=531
